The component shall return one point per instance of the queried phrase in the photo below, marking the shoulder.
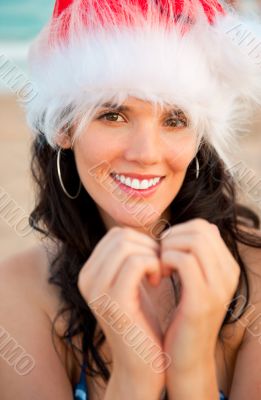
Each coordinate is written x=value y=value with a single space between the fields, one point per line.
x=28 y=306
x=29 y=301
x=246 y=374
x=251 y=257
x=26 y=273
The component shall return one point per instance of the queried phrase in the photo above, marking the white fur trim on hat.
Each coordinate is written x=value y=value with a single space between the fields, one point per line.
x=209 y=71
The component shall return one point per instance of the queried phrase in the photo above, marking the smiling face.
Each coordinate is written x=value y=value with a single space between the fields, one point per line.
x=132 y=161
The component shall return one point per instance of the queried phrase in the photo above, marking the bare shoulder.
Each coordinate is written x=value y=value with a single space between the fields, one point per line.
x=29 y=305
x=25 y=276
x=246 y=369
x=26 y=273
x=235 y=333
x=251 y=257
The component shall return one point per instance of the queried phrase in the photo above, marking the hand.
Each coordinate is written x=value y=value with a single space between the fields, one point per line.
x=114 y=271
x=209 y=277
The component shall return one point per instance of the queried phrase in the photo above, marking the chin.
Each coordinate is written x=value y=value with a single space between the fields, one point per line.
x=151 y=223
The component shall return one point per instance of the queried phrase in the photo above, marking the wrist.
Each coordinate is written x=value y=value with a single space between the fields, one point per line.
x=202 y=363
x=200 y=379
x=131 y=386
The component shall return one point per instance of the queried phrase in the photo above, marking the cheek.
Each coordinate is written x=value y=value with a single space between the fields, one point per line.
x=93 y=149
x=180 y=152
x=94 y=155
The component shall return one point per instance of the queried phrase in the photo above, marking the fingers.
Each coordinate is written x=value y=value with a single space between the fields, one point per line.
x=205 y=242
x=105 y=273
x=135 y=267
x=198 y=225
x=203 y=252
x=114 y=239
x=186 y=265
x=98 y=274
x=125 y=234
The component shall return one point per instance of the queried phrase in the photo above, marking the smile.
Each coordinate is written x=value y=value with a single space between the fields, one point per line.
x=136 y=185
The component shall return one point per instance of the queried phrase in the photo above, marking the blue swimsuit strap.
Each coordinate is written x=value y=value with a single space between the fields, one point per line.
x=80 y=389
x=222 y=396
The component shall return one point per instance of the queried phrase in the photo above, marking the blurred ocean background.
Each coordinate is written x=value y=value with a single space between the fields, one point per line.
x=20 y=22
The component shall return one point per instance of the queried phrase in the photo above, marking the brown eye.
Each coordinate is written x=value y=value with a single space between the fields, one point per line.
x=178 y=120
x=111 y=115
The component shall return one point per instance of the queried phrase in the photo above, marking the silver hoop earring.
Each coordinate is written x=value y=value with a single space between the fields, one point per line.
x=197 y=168
x=61 y=181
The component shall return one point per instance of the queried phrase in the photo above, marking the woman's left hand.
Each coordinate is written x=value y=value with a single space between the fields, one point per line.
x=209 y=276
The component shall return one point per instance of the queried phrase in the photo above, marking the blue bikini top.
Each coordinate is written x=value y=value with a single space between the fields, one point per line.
x=81 y=390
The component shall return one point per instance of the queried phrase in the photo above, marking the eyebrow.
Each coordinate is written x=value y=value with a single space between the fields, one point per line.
x=123 y=108
x=116 y=107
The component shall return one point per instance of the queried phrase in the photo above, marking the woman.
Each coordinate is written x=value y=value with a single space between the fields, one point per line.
x=148 y=266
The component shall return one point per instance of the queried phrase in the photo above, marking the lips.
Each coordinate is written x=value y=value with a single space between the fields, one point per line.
x=137 y=192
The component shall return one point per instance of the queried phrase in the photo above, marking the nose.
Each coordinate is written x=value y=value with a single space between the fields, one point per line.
x=143 y=146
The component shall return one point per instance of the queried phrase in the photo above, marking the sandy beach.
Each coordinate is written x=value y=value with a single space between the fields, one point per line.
x=16 y=186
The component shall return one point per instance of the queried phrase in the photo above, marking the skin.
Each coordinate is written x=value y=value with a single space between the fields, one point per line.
x=196 y=250
x=137 y=274
x=137 y=141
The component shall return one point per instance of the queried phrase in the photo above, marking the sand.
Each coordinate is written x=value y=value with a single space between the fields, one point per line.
x=16 y=186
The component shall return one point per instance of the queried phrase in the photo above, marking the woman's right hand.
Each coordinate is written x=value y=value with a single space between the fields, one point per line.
x=115 y=270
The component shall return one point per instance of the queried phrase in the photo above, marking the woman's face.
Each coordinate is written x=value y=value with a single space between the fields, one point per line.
x=136 y=146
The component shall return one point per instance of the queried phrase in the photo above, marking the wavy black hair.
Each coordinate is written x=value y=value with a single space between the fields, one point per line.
x=77 y=226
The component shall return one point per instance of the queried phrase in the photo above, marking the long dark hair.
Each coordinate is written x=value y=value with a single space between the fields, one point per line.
x=77 y=226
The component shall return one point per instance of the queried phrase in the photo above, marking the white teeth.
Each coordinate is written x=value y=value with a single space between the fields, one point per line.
x=127 y=182
x=144 y=184
x=136 y=183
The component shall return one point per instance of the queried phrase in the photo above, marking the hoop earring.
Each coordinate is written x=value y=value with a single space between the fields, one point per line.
x=197 y=168
x=61 y=181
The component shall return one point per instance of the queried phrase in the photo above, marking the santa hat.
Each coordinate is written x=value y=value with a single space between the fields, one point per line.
x=197 y=54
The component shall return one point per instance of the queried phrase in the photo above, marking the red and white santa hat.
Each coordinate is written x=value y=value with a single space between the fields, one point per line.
x=197 y=54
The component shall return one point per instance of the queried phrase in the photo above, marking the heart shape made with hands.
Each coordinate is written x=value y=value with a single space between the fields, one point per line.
x=194 y=229
x=161 y=294
x=189 y=255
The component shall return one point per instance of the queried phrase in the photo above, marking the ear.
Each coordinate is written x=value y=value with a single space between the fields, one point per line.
x=64 y=140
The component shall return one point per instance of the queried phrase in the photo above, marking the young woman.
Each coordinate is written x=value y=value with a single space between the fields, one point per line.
x=146 y=283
